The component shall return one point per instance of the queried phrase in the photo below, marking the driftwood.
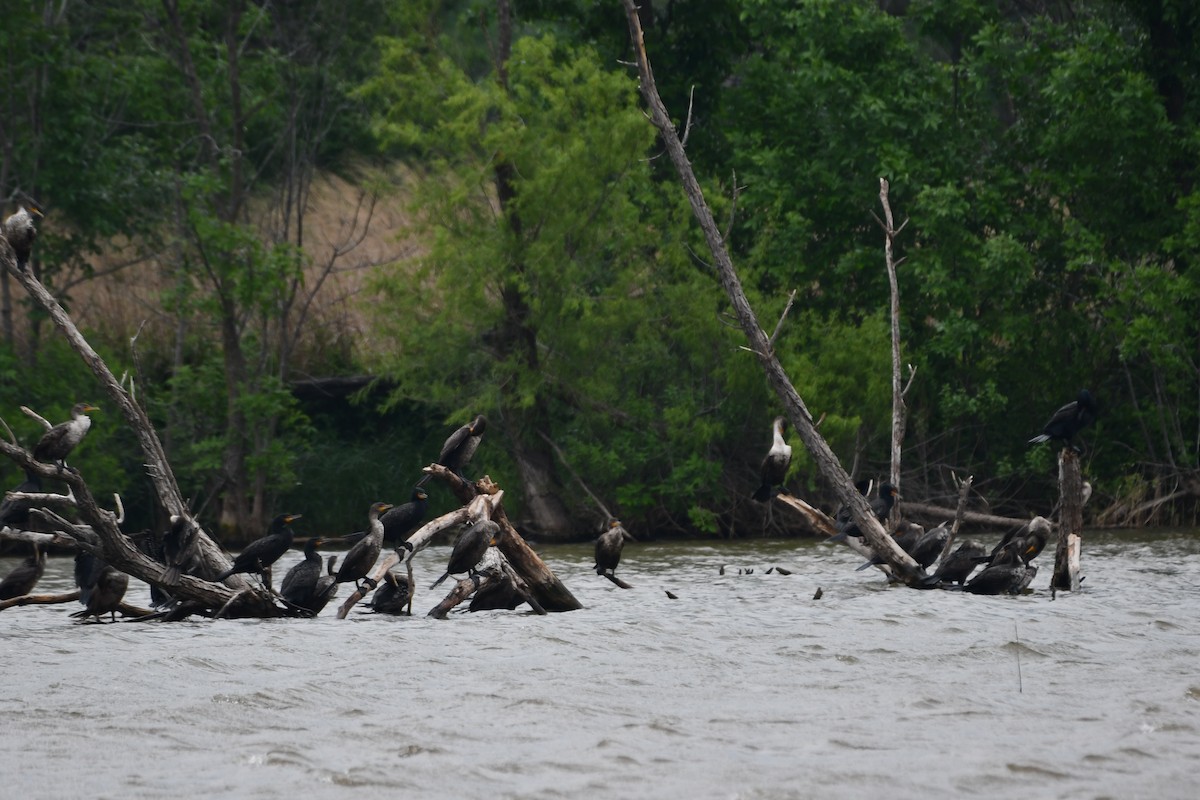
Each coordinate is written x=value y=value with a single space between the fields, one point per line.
x=100 y=530
x=464 y=589
x=759 y=344
x=819 y=521
x=125 y=609
x=544 y=586
x=1070 y=523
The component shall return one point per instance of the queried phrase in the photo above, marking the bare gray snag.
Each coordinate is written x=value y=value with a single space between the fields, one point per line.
x=760 y=345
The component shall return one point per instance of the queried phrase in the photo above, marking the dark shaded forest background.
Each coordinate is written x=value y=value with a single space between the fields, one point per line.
x=318 y=236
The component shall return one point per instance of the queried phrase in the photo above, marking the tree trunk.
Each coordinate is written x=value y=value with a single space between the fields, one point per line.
x=798 y=413
x=1070 y=522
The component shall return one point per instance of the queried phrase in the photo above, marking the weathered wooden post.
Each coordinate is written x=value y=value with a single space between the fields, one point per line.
x=1070 y=522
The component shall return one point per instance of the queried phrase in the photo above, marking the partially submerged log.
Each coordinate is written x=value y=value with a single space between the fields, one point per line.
x=1070 y=523
x=942 y=513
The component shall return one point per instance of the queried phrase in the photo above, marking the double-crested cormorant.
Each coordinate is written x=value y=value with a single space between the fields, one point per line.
x=362 y=556
x=326 y=588
x=959 y=565
x=101 y=587
x=300 y=584
x=260 y=554
x=58 y=442
x=1069 y=420
x=21 y=230
x=608 y=547
x=775 y=464
x=1007 y=574
x=177 y=546
x=460 y=447
x=924 y=546
x=24 y=576
x=15 y=513
x=399 y=521
x=1026 y=543
x=392 y=596
x=881 y=506
x=470 y=548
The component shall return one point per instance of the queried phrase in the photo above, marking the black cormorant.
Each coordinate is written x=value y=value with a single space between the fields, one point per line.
x=608 y=547
x=101 y=587
x=881 y=506
x=360 y=558
x=959 y=565
x=775 y=464
x=470 y=548
x=21 y=230
x=907 y=537
x=14 y=513
x=177 y=546
x=326 y=588
x=929 y=546
x=460 y=447
x=300 y=584
x=392 y=596
x=1027 y=542
x=1069 y=420
x=1007 y=574
x=24 y=576
x=399 y=521
x=58 y=442
x=260 y=554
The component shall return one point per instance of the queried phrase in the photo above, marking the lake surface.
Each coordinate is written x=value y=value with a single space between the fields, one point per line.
x=743 y=687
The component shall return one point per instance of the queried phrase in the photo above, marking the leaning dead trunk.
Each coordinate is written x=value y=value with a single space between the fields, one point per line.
x=98 y=530
x=760 y=344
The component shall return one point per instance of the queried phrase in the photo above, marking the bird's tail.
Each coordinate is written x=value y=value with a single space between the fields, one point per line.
x=170 y=576
x=841 y=537
x=434 y=585
x=224 y=575
x=1041 y=437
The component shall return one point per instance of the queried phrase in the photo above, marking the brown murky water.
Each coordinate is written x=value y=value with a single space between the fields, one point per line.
x=743 y=687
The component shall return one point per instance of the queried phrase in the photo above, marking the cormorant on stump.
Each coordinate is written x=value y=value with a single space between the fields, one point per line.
x=775 y=465
x=469 y=549
x=21 y=230
x=460 y=447
x=260 y=554
x=58 y=442
x=24 y=576
x=1069 y=420
x=359 y=560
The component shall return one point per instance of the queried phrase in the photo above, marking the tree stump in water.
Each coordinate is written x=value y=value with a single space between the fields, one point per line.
x=1070 y=523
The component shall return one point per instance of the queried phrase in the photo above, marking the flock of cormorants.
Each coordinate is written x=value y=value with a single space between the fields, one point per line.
x=311 y=583
x=308 y=586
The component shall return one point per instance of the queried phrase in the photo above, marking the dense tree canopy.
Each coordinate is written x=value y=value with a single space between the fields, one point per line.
x=1045 y=155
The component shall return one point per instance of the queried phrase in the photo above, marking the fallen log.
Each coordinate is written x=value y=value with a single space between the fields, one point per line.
x=39 y=600
x=464 y=589
x=940 y=513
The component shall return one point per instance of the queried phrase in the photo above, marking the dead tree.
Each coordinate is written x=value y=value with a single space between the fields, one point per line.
x=98 y=529
x=1070 y=523
x=759 y=343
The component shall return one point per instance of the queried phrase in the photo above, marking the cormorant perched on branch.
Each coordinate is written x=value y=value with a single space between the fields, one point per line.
x=881 y=506
x=1069 y=420
x=58 y=442
x=1008 y=574
x=360 y=558
x=775 y=465
x=460 y=447
x=469 y=549
x=24 y=576
x=260 y=554
x=20 y=230
x=299 y=586
x=1026 y=543
x=177 y=548
x=608 y=547
x=101 y=587
x=15 y=513
x=959 y=565
x=399 y=521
